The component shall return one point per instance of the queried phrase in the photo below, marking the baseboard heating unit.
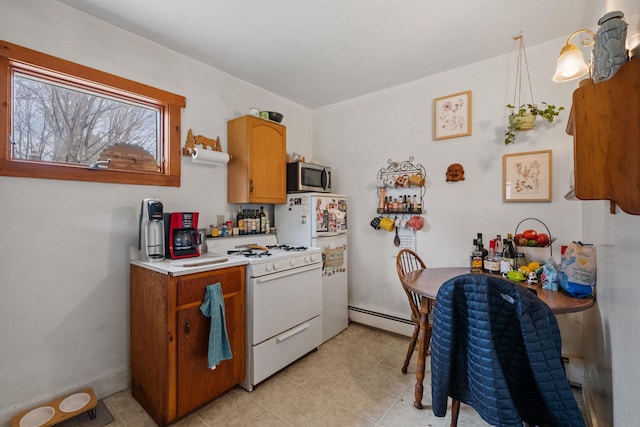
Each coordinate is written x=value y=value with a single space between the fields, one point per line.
x=381 y=321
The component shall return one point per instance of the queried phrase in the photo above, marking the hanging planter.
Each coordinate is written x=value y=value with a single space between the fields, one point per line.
x=522 y=116
x=520 y=122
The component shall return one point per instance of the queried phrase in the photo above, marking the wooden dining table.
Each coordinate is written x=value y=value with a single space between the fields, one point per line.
x=427 y=282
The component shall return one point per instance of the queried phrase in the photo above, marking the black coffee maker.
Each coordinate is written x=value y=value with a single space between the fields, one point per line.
x=181 y=235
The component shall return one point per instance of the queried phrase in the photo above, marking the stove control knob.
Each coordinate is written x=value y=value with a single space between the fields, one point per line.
x=307 y=259
x=293 y=262
x=315 y=257
x=268 y=267
x=275 y=266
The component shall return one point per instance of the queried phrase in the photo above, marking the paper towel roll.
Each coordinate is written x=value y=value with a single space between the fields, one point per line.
x=209 y=157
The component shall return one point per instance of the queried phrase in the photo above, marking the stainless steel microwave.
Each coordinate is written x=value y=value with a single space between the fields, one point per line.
x=304 y=177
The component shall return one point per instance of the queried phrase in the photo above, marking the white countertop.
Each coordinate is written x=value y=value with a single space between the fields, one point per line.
x=181 y=267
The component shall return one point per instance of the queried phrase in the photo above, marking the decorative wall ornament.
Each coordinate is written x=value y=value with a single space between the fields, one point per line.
x=192 y=141
x=452 y=116
x=455 y=172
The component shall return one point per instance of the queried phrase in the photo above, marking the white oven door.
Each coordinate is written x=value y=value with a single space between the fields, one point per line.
x=284 y=300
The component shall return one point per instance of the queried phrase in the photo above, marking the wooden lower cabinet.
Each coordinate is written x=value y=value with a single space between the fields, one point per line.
x=170 y=339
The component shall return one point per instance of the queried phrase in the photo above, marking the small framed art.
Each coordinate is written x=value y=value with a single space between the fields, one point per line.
x=452 y=116
x=526 y=177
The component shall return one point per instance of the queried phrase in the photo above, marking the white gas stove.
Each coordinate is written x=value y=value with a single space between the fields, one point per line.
x=284 y=301
x=265 y=260
x=264 y=254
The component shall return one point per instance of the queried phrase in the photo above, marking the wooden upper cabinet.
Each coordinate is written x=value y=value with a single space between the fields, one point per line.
x=257 y=170
x=605 y=124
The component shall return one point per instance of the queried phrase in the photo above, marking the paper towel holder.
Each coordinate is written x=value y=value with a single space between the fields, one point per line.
x=193 y=140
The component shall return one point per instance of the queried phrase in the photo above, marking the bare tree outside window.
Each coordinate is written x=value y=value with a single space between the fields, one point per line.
x=60 y=124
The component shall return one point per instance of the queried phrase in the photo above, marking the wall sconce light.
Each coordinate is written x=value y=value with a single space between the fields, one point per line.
x=571 y=63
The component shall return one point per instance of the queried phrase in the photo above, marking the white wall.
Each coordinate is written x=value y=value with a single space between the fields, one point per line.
x=64 y=267
x=358 y=136
x=611 y=330
x=611 y=374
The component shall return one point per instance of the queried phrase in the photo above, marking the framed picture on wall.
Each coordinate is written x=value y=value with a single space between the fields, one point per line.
x=452 y=116
x=526 y=177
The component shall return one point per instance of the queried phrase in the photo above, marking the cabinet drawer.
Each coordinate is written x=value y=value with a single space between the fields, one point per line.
x=276 y=353
x=191 y=288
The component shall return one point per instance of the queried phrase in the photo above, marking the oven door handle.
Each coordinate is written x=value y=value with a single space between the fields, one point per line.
x=293 y=332
x=286 y=273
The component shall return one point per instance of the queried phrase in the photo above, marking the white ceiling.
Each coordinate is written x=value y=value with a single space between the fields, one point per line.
x=320 y=52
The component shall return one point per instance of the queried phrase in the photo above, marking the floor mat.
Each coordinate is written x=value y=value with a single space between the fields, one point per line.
x=103 y=417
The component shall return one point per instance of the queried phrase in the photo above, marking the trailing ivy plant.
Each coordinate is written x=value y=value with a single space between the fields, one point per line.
x=517 y=116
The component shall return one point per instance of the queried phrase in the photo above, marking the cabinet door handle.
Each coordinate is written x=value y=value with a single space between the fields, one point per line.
x=187 y=327
x=251 y=186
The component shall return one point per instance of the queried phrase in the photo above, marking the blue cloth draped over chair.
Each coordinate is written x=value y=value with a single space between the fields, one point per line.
x=496 y=347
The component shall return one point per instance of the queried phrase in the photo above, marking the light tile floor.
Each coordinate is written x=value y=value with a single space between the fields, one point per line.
x=352 y=380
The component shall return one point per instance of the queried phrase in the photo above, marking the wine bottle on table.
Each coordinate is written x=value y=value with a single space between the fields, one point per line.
x=476 y=258
x=491 y=262
x=508 y=256
x=499 y=246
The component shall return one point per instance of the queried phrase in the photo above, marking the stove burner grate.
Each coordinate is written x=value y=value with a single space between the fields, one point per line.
x=249 y=253
x=288 y=248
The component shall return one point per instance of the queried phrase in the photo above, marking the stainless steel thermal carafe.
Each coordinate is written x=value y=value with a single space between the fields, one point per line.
x=151 y=231
x=202 y=245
